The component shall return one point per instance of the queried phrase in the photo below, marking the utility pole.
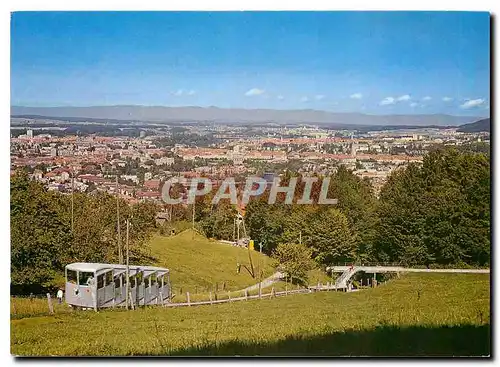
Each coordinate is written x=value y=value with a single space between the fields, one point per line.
x=120 y=256
x=234 y=229
x=194 y=202
x=128 y=271
x=238 y=230
x=72 y=201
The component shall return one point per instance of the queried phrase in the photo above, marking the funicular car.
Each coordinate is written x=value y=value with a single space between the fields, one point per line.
x=95 y=285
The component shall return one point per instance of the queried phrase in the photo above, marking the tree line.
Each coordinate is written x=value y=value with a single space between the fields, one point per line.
x=436 y=213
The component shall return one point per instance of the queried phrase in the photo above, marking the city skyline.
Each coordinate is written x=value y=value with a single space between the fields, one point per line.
x=365 y=62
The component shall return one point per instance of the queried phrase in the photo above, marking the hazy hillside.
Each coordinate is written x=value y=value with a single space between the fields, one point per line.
x=186 y=114
x=478 y=126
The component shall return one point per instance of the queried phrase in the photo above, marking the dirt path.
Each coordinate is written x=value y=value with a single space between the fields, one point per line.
x=266 y=282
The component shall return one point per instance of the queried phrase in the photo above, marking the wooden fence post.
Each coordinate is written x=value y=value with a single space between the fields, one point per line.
x=246 y=294
x=229 y=295
x=273 y=294
x=210 y=295
x=49 y=300
x=260 y=290
x=188 y=299
x=131 y=300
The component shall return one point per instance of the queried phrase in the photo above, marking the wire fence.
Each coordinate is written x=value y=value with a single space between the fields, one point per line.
x=247 y=297
x=31 y=296
x=39 y=304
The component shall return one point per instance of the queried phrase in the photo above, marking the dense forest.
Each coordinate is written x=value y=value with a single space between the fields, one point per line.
x=432 y=214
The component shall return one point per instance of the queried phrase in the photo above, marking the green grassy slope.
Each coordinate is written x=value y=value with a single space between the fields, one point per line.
x=197 y=263
x=418 y=314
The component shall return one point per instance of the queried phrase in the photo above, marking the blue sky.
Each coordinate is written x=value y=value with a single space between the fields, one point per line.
x=368 y=62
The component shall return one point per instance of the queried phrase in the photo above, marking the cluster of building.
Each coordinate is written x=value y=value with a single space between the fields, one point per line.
x=135 y=167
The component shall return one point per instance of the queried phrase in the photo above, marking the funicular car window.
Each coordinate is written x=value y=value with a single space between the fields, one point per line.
x=100 y=281
x=71 y=276
x=139 y=278
x=109 y=277
x=153 y=279
x=132 y=281
x=117 y=281
x=86 y=277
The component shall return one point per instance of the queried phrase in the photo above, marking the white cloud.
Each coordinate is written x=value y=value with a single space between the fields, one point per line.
x=387 y=101
x=319 y=97
x=471 y=103
x=413 y=104
x=447 y=99
x=427 y=98
x=254 y=92
x=304 y=99
x=280 y=97
x=405 y=97
x=356 y=96
x=182 y=92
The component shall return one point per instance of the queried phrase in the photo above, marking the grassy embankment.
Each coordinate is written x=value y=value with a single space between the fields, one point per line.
x=418 y=314
x=199 y=265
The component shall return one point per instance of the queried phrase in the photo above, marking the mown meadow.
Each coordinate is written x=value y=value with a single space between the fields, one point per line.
x=415 y=315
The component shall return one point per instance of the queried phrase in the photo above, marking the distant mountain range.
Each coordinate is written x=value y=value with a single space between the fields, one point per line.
x=237 y=115
x=475 y=127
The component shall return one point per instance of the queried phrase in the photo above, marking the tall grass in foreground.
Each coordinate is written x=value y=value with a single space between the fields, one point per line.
x=418 y=314
x=21 y=307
